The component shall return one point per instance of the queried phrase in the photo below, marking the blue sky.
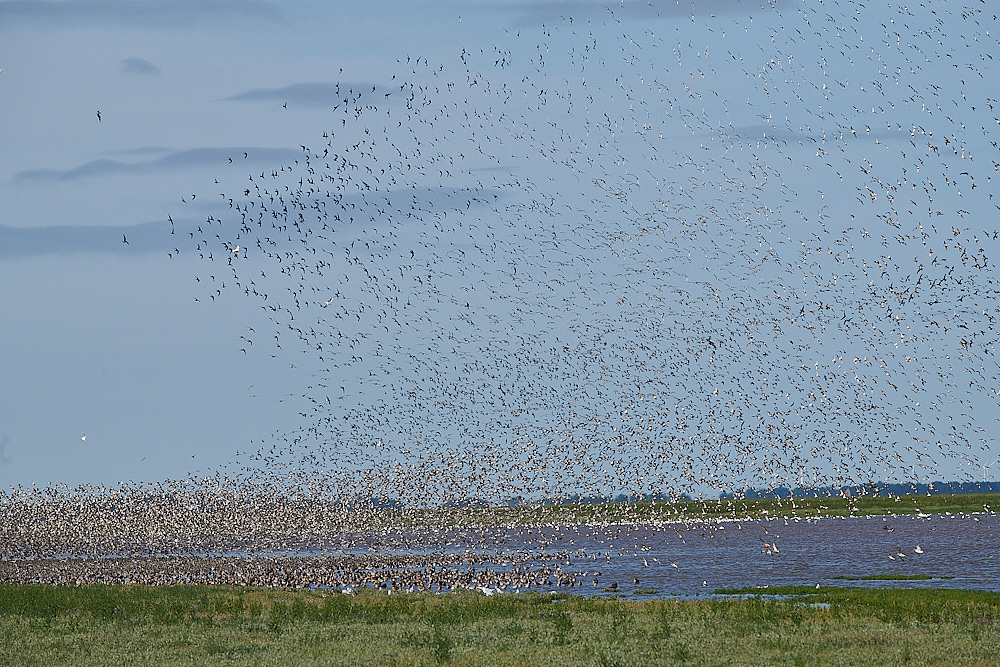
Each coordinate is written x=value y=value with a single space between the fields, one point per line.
x=681 y=244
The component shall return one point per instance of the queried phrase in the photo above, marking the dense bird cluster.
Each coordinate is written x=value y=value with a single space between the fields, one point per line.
x=640 y=254
x=203 y=531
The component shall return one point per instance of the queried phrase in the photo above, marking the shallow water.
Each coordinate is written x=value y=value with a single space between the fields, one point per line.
x=673 y=559
x=958 y=551
x=742 y=554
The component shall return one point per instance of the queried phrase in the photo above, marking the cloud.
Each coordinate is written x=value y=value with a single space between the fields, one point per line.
x=763 y=132
x=311 y=94
x=547 y=11
x=139 y=66
x=173 y=160
x=146 y=237
x=155 y=236
x=141 y=150
x=153 y=13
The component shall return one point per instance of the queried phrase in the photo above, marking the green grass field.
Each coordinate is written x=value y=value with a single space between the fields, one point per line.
x=101 y=625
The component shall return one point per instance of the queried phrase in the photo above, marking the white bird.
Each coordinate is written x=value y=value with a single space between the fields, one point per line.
x=918 y=550
x=84 y=437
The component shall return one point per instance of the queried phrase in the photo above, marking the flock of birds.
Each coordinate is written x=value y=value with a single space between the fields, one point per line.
x=201 y=532
x=620 y=253
x=615 y=256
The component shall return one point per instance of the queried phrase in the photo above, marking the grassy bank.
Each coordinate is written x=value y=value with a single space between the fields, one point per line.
x=761 y=508
x=100 y=625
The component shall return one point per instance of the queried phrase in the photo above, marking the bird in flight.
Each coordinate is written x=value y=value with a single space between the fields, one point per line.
x=84 y=437
x=99 y=116
x=124 y=240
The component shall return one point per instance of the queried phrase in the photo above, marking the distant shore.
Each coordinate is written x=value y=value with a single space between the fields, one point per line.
x=704 y=510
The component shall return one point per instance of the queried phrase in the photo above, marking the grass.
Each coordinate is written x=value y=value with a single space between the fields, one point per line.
x=899 y=605
x=701 y=510
x=101 y=625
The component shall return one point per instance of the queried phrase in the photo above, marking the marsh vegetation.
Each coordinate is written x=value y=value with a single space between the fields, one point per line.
x=99 y=625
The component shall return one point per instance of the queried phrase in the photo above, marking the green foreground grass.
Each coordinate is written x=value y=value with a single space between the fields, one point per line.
x=103 y=625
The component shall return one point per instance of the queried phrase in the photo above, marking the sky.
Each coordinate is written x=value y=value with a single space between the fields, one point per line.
x=493 y=249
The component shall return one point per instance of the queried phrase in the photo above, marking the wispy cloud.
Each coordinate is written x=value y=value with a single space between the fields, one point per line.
x=173 y=160
x=312 y=94
x=146 y=237
x=152 y=13
x=141 y=150
x=547 y=11
x=139 y=66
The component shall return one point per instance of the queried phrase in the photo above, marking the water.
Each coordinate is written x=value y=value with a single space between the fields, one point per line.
x=673 y=559
x=742 y=554
x=956 y=550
